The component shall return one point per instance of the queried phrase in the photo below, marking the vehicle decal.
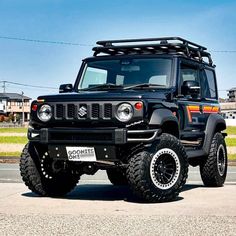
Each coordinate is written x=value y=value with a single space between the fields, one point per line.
x=192 y=109
x=196 y=109
x=211 y=109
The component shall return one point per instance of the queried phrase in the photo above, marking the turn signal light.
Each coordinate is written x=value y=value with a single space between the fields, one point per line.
x=34 y=107
x=138 y=105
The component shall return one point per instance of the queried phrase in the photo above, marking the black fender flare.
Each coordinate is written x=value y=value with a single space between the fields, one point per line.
x=215 y=123
x=161 y=116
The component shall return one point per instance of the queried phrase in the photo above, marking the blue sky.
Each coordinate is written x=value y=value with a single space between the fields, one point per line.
x=210 y=23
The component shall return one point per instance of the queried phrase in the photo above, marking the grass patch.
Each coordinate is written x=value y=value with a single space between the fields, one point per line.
x=231 y=142
x=232 y=157
x=13 y=130
x=231 y=130
x=13 y=139
x=10 y=154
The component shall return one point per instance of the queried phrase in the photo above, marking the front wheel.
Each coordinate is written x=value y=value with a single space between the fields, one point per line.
x=159 y=172
x=37 y=174
x=214 y=168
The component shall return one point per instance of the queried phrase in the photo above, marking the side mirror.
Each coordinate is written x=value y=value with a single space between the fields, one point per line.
x=191 y=88
x=65 y=88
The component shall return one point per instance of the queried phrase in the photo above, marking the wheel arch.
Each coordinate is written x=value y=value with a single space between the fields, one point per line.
x=215 y=123
x=166 y=120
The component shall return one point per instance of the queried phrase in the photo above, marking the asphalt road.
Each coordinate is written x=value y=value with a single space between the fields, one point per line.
x=9 y=173
x=96 y=207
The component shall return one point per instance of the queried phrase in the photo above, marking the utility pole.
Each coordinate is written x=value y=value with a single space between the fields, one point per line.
x=23 y=114
x=4 y=86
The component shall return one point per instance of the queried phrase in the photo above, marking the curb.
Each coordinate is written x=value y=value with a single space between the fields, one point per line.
x=9 y=160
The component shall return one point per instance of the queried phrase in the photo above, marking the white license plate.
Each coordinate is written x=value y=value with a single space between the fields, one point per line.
x=81 y=153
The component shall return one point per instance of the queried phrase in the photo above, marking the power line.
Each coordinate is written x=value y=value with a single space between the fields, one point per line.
x=223 y=51
x=46 y=41
x=79 y=44
x=25 y=85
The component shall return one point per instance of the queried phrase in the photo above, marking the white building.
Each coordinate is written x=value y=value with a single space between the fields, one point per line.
x=16 y=104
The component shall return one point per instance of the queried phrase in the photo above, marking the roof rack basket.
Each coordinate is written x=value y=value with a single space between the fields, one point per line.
x=170 y=45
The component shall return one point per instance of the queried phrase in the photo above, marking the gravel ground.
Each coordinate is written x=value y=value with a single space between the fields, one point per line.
x=116 y=225
x=102 y=209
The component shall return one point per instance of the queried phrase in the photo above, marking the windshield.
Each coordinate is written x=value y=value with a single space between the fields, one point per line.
x=127 y=72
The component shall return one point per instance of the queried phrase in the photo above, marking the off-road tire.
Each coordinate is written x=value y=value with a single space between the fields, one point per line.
x=31 y=173
x=139 y=172
x=117 y=177
x=211 y=175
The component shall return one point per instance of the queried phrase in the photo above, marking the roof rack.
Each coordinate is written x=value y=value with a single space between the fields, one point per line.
x=169 y=45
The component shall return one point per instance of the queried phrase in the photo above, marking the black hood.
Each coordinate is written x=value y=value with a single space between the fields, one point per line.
x=108 y=95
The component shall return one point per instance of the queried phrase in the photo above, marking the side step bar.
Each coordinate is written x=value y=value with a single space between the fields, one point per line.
x=196 y=153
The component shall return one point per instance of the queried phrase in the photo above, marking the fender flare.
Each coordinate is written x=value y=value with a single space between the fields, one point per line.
x=161 y=116
x=215 y=123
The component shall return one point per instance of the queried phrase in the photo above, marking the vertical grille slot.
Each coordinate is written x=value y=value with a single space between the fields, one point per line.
x=70 y=110
x=95 y=111
x=59 y=111
x=107 y=110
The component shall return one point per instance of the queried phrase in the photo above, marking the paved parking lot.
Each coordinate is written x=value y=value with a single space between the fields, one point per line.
x=96 y=207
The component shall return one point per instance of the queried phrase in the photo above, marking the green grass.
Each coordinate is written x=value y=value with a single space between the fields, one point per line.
x=230 y=142
x=13 y=139
x=13 y=130
x=231 y=130
x=232 y=157
x=10 y=154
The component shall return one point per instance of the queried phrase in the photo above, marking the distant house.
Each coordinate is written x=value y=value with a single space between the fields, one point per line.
x=228 y=108
x=232 y=95
x=16 y=104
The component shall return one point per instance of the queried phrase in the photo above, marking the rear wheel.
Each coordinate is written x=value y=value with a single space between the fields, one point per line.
x=158 y=173
x=117 y=177
x=214 y=169
x=38 y=175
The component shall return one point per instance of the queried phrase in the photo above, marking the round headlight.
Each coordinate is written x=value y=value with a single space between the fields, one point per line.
x=124 y=112
x=45 y=113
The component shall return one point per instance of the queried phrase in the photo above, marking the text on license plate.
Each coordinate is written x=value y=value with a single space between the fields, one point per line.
x=81 y=153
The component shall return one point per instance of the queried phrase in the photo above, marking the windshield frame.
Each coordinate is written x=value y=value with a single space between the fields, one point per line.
x=173 y=74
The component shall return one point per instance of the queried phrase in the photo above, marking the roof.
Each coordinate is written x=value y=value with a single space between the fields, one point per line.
x=13 y=96
x=232 y=89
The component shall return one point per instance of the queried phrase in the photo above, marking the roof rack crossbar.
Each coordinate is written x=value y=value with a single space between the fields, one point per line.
x=153 y=45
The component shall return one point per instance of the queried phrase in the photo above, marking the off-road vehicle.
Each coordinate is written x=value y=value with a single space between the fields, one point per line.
x=141 y=109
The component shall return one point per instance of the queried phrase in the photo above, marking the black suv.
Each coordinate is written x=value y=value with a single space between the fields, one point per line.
x=141 y=109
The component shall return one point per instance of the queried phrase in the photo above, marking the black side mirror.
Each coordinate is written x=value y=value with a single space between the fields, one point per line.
x=65 y=88
x=191 y=88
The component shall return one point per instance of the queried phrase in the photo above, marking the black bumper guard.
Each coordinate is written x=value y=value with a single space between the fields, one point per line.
x=91 y=136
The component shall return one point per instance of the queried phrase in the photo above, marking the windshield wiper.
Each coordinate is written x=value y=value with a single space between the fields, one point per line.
x=102 y=86
x=144 y=85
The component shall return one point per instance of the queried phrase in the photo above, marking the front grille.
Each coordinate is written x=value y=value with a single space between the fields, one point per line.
x=70 y=110
x=107 y=110
x=95 y=111
x=59 y=111
x=83 y=111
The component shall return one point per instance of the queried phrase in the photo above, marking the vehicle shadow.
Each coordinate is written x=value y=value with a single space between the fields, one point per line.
x=106 y=192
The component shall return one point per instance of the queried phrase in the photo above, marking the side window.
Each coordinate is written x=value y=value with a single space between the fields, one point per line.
x=188 y=73
x=209 y=84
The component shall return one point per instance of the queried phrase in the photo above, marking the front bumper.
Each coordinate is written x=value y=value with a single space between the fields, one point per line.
x=111 y=136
